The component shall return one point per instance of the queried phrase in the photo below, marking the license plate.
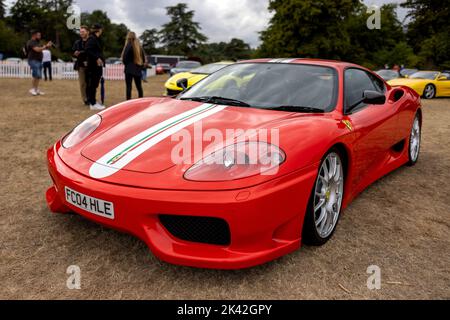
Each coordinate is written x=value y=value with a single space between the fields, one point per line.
x=92 y=205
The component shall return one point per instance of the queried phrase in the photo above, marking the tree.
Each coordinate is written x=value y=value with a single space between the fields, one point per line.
x=10 y=42
x=335 y=30
x=2 y=9
x=429 y=31
x=181 y=35
x=237 y=49
x=47 y=16
x=27 y=15
x=377 y=47
x=308 y=28
x=150 y=39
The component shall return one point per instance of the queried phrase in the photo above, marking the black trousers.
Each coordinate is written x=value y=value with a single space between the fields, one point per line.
x=93 y=76
x=47 y=68
x=137 y=81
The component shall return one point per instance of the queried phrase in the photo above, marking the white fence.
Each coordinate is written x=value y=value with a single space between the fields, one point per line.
x=61 y=70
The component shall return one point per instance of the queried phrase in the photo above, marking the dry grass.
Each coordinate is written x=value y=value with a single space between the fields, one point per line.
x=400 y=224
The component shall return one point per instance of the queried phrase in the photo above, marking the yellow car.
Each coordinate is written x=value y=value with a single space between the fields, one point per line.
x=428 y=84
x=193 y=76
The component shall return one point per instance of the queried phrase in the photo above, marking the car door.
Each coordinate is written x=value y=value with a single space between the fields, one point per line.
x=374 y=126
x=443 y=86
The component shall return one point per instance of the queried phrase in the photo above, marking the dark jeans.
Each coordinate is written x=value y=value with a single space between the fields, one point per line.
x=138 y=82
x=47 y=68
x=93 y=76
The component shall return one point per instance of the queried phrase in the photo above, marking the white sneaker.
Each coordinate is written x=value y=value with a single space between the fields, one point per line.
x=97 y=107
x=40 y=93
x=33 y=92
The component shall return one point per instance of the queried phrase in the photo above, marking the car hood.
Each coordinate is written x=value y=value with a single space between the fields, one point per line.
x=407 y=82
x=178 y=70
x=192 y=79
x=145 y=141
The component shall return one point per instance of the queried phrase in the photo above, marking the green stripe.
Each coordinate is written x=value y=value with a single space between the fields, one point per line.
x=158 y=131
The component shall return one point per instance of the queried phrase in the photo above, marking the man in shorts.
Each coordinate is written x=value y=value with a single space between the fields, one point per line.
x=35 y=57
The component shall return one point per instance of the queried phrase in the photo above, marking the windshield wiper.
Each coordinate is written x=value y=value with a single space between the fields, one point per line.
x=219 y=100
x=298 y=109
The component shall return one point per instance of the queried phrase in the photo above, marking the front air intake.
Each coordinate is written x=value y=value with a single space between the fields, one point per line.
x=198 y=229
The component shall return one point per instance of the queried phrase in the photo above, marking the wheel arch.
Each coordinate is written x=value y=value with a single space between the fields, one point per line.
x=430 y=84
x=346 y=155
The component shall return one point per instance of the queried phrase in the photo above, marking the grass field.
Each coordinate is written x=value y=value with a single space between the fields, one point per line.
x=401 y=224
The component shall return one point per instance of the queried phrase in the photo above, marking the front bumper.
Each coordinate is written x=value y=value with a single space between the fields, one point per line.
x=265 y=221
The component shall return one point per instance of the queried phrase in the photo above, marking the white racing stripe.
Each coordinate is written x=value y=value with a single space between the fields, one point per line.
x=134 y=147
x=282 y=60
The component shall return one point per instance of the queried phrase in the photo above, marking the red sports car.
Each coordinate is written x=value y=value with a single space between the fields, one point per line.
x=244 y=166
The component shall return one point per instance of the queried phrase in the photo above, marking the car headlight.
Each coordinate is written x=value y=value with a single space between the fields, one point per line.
x=81 y=132
x=238 y=161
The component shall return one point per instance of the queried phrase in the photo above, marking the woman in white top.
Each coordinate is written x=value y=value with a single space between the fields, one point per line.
x=47 y=64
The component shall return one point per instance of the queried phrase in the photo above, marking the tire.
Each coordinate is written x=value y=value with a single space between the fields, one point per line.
x=325 y=204
x=429 y=92
x=415 y=140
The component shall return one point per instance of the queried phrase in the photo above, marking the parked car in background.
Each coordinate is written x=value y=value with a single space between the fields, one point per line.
x=388 y=74
x=13 y=60
x=113 y=60
x=162 y=68
x=428 y=84
x=184 y=66
x=193 y=76
x=405 y=73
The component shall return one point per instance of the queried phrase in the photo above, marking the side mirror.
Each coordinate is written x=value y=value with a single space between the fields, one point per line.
x=442 y=78
x=182 y=83
x=374 y=97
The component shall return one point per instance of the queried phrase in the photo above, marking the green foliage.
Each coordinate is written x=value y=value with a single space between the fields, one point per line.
x=181 y=35
x=335 y=30
x=10 y=42
x=150 y=39
x=47 y=16
x=2 y=9
x=308 y=28
x=235 y=50
x=429 y=31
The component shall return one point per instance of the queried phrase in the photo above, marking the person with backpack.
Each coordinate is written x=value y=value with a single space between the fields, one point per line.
x=33 y=51
x=95 y=63
x=133 y=58
x=79 y=53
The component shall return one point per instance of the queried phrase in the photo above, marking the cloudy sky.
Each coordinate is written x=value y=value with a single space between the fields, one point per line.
x=220 y=20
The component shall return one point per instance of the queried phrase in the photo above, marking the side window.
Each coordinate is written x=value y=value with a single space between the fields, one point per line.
x=446 y=74
x=379 y=85
x=356 y=82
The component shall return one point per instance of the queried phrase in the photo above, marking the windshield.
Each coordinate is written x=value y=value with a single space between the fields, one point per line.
x=429 y=75
x=209 y=68
x=188 y=64
x=270 y=85
x=388 y=74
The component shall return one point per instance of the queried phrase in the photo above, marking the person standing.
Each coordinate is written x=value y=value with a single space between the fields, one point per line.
x=35 y=56
x=95 y=63
x=79 y=52
x=133 y=58
x=47 y=64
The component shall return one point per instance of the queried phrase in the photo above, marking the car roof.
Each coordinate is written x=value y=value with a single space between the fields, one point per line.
x=321 y=62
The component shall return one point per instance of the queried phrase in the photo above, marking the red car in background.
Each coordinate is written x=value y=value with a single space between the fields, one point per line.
x=331 y=129
x=162 y=68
